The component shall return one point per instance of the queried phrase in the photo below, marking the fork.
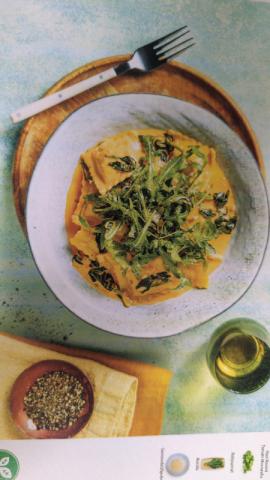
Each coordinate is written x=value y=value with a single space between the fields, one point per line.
x=145 y=59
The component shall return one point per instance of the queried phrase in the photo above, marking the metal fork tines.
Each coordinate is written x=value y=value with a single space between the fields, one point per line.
x=154 y=54
x=173 y=47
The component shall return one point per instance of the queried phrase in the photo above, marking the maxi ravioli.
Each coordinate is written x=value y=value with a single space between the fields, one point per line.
x=149 y=215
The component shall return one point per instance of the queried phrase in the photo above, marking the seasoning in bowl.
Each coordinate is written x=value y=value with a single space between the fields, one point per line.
x=51 y=399
x=54 y=401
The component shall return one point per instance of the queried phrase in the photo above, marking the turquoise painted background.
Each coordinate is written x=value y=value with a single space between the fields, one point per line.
x=42 y=40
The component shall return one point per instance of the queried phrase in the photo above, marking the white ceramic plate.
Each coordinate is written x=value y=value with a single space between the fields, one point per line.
x=46 y=206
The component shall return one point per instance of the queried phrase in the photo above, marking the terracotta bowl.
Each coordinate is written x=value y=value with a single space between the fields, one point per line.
x=26 y=380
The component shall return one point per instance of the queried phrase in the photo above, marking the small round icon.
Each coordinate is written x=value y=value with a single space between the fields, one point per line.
x=177 y=464
x=9 y=465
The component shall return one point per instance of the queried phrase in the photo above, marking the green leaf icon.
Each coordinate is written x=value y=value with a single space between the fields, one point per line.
x=5 y=472
x=9 y=465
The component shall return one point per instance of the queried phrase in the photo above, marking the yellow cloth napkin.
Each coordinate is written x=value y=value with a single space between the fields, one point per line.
x=114 y=392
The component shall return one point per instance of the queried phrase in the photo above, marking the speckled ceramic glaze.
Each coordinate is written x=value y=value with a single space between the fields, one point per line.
x=47 y=198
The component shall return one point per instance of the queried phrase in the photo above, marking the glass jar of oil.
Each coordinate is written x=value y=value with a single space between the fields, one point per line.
x=239 y=355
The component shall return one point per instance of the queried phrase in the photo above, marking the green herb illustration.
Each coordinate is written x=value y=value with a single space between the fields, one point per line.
x=215 y=463
x=9 y=465
x=248 y=460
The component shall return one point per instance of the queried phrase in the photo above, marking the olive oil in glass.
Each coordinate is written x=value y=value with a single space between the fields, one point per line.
x=239 y=355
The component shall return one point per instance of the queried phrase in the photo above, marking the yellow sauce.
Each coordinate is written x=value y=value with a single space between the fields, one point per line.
x=104 y=178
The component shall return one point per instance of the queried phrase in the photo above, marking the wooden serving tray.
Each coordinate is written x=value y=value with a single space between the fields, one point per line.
x=172 y=79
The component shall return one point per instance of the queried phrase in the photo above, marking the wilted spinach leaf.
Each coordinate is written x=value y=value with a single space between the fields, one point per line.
x=221 y=199
x=99 y=274
x=124 y=164
x=225 y=225
x=153 y=281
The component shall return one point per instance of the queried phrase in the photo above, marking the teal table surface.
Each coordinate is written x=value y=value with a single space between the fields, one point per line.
x=42 y=40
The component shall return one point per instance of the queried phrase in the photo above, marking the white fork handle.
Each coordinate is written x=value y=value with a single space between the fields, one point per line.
x=58 y=97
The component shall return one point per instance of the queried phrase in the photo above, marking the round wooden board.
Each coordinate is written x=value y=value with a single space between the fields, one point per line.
x=173 y=79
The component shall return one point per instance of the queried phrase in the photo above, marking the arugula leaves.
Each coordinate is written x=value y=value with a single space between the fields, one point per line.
x=153 y=205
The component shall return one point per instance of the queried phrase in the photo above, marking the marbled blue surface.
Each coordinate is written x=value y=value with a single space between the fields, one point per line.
x=42 y=40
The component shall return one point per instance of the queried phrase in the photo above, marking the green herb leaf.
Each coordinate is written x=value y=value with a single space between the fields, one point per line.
x=171 y=265
x=111 y=228
x=153 y=281
x=117 y=253
x=78 y=259
x=169 y=170
x=220 y=199
x=215 y=463
x=148 y=142
x=164 y=149
x=195 y=150
x=206 y=213
x=84 y=222
x=124 y=164
x=101 y=275
x=248 y=460
x=225 y=224
x=142 y=236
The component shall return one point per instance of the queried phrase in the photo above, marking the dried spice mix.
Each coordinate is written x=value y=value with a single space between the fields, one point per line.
x=55 y=401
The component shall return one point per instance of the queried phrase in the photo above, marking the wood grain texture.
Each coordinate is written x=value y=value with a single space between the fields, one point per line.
x=172 y=79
